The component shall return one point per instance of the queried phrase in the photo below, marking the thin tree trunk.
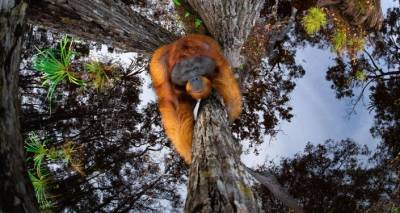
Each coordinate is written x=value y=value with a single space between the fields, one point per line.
x=105 y=21
x=16 y=192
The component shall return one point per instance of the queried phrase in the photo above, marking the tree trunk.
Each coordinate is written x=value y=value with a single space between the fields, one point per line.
x=105 y=21
x=230 y=22
x=16 y=192
x=218 y=181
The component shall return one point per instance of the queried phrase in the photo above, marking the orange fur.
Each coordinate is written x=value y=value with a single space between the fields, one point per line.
x=176 y=107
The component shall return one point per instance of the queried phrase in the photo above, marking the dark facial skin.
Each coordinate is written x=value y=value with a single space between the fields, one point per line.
x=196 y=84
x=191 y=69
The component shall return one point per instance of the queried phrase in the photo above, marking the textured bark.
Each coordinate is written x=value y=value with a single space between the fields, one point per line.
x=16 y=192
x=218 y=181
x=371 y=18
x=105 y=21
x=230 y=22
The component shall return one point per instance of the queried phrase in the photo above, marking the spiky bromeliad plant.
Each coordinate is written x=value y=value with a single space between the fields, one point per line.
x=36 y=146
x=39 y=175
x=314 y=20
x=40 y=184
x=69 y=152
x=39 y=150
x=339 y=40
x=55 y=64
x=98 y=73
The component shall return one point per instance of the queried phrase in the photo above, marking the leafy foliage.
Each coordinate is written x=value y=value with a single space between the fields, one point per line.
x=55 y=64
x=331 y=177
x=314 y=20
x=38 y=147
x=383 y=99
x=352 y=42
x=267 y=78
x=40 y=185
x=350 y=22
x=339 y=40
x=197 y=23
x=39 y=176
x=177 y=3
x=187 y=14
x=360 y=75
x=100 y=78
x=356 y=44
x=70 y=154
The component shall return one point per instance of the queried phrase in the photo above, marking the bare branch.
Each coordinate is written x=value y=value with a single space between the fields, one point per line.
x=353 y=109
x=276 y=189
x=373 y=62
x=384 y=74
x=325 y=3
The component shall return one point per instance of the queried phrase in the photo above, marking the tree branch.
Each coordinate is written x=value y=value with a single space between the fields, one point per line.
x=326 y=3
x=279 y=32
x=384 y=74
x=353 y=109
x=373 y=62
x=104 y=21
x=276 y=189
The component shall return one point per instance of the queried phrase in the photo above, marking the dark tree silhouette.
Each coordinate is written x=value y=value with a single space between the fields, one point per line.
x=16 y=192
x=335 y=176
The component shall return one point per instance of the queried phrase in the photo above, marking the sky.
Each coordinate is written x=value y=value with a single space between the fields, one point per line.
x=318 y=115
